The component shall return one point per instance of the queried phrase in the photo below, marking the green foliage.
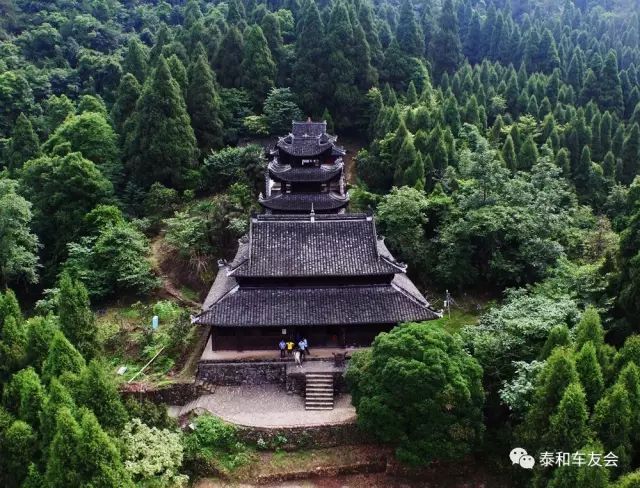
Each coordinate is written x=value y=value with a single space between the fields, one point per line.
x=203 y=105
x=18 y=245
x=62 y=190
x=62 y=358
x=558 y=337
x=152 y=457
x=258 y=67
x=213 y=444
x=77 y=321
x=420 y=390
x=568 y=429
x=280 y=109
x=112 y=260
x=589 y=372
x=24 y=144
x=231 y=165
x=162 y=145
x=97 y=391
x=24 y=396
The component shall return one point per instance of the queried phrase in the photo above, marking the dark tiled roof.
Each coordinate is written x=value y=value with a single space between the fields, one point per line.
x=327 y=246
x=304 y=146
x=305 y=173
x=308 y=128
x=348 y=305
x=301 y=202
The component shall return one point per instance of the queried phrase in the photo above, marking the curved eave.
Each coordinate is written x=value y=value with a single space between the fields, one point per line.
x=316 y=175
x=303 y=202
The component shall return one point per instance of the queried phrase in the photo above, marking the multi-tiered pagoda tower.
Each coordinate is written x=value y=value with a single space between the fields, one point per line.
x=306 y=171
x=306 y=268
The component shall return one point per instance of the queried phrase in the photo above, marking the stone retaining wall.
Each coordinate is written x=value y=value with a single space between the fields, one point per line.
x=245 y=373
x=292 y=438
x=171 y=394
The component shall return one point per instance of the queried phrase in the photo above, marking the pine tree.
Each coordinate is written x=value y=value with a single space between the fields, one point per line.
x=100 y=461
x=203 y=105
x=258 y=67
x=24 y=144
x=77 y=321
x=62 y=358
x=13 y=347
x=609 y=166
x=631 y=155
x=558 y=337
x=162 y=145
x=128 y=94
x=406 y=157
x=445 y=48
x=9 y=307
x=558 y=373
x=135 y=61
x=63 y=462
x=415 y=174
x=568 y=430
x=326 y=116
x=309 y=77
x=24 y=395
x=162 y=39
x=19 y=446
x=589 y=329
x=590 y=373
x=509 y=154
x=611 y=421
x=97 y=391
x=590 y=89
x=583 y=175
x=59 y=397
x=228 y=63
x=610 y=88
x=629 y=378
x=178 y=73
x=409 y=34
x=528 y=155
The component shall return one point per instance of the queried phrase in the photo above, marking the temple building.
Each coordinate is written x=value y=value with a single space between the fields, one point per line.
x=306 y=268
x=305 y=171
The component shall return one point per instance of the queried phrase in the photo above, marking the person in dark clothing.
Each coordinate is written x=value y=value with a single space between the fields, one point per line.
x=283 y=347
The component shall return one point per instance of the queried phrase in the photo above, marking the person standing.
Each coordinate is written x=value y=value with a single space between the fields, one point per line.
x=302 y=349
x=283 y=346
x=290 y=347
x=306 y=346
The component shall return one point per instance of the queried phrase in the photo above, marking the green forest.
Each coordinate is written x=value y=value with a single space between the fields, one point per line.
x=497 y=144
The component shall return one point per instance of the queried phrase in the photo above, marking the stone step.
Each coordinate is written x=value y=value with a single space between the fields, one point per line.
x=311 y=381
x=324 y=394
x=319 y=375
x=319 y=390
x=319 y=404
x=318 y=408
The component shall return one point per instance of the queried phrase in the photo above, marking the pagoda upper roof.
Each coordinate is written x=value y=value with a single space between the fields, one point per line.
x=309 y=139
x=305 y=202
x=313 y=246
x=285 y=172
x=316 y=306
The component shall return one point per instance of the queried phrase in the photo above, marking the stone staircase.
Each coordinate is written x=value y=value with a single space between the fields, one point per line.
x=319 y=391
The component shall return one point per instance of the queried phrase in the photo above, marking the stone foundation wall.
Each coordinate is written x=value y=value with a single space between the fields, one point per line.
x=171 y=394
x=235 y=374
x=292 y=438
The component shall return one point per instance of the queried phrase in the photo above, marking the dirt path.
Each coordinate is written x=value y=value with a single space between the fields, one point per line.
x=159 y=253
x=352 y=146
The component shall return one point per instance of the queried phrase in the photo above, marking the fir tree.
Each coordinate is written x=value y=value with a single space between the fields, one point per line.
x=24 y=144
x=609 y=166
x=97 y=391
x=409 y=34
x=509 y=154
x=178 y=73
x=631 y=155
x=583 y=175
x=563 y=161
x=558 y=337
x=258 y=67
x=63 y=462
x=162 y=146
x=203 y=105
x=445 y=48
x=610 y=96
x=528 y=155
x=309 y=76
x=128 y=94
x=611 y=421
x=590 y=373
x=568 y=430
x=62 y=358
x=228 y=62
x=77 y=321
x=135 y=61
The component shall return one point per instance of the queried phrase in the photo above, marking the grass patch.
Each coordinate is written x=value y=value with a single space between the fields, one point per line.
x=458 y=319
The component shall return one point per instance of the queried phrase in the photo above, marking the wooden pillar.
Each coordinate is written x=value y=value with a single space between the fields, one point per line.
x=213 y=338
x=343 y=337
x=238 y=340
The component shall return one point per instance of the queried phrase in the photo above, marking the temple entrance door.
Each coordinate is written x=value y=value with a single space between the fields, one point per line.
x=333 y=336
